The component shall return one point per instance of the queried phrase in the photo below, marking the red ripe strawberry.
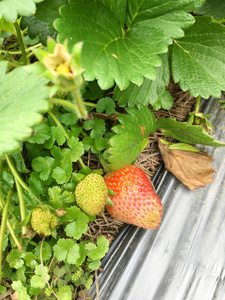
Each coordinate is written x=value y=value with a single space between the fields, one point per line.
x=135 y=201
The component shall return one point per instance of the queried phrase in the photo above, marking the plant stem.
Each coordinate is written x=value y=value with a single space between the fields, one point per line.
x=12 y=232
x=18 y=178
x=3 y=228
x=82 y=113
x=20 y=40
x=89 y=104
x=81 y=163
x=22 y=205
x=197 y=104
x=58 y=123
x=20 y=52
x=64 y=103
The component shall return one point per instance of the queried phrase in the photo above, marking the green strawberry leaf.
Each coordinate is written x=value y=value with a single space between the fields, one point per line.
x=38 y=281
x=78 y=222
x=21 y=289
x=151 y=91
x=37 y=28
x=30 y=259
x=93 y=91
x=46 y=251
x=21 y=274
x=97 y=127
x=67 y=250
x=76 y=229
x=131 y=137
x=14 y=259
x=60 y=175
x=77 y=149
x=58 y=198
x=213 y=8
x=19 y=162
x=2 y=289
x=64 y=293
x=106 y=104
x=41 y=24
x=48 y=11
x=10 y=9
x=58 y=134
x=69 y=118
x=110 y=52
x=35 y=184
x=198 y=59
x=44 y=165
x=95 y=264
x=186 y=133
x=23 y=98
x=99 y=251
x=118 y=8
x=42 y=133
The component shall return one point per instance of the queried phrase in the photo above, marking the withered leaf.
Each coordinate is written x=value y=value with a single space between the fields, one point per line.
x=193 y=169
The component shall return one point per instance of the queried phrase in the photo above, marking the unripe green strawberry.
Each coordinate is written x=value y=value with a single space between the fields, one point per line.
x=135 y=201
x=91 y=194
x=43 y=221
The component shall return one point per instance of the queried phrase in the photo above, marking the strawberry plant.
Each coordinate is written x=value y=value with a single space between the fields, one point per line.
x=80 y=79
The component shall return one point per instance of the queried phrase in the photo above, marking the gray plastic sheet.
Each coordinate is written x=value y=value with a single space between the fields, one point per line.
x=184 y=259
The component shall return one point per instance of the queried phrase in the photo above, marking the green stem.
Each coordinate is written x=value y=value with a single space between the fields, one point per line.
x=20 y=52
x=3 y=228
x=58 y=123
x=11 y=230
x=20 y=40
x=18 y=178
x=22 y=205
x=2 y=205
x=64 y=103
x=89 y=104
x=197 y=104
x=81 y=163
x=82 y=113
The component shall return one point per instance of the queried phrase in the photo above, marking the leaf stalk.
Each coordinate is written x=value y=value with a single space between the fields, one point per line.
x=22 y=205
x=197 y=104
x=20 y=40
x=3 y=228
x=19 y=179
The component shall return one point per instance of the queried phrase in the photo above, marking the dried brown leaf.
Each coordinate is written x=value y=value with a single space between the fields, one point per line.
x=193 y=169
